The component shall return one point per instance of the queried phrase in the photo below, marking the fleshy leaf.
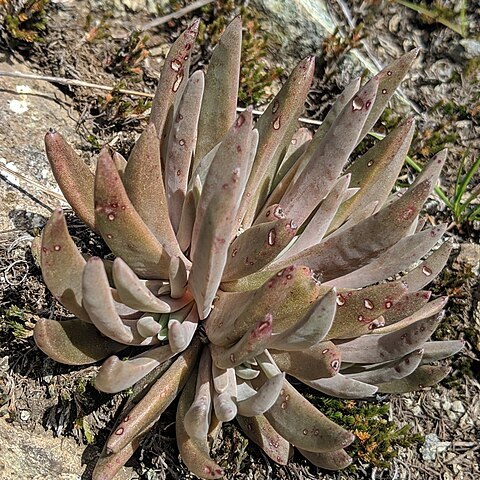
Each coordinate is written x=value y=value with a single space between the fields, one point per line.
x=299 y=422
x=328 y=156
x=194 y=453
x=388 y=81
x=260 y=431
x=389 y=346
x=62 y=265
x=394 y=371
x=276 y=127
x=363 y=242
x=341 y=386
x=337 y=460
x=423 y=376
x=73 y=342
x=257 y=247
x=116 y=375
x=144 y=186
x=72 y=175
x=376 y=172
x=121 y=226
x=181 y=144
x=99 y=303
x=395 y=259
x=215 y=223
x=357 y=309
x=311 y=329
x=173 y=78
x=221 y=82
x=319 y=361
x=435 y=351
x=156 y=400
x=263 y=399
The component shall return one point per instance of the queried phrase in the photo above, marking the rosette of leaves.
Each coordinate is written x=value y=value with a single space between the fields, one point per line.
x=246 y=251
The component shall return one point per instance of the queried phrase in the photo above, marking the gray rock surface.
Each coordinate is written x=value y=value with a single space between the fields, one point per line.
x=28 y=110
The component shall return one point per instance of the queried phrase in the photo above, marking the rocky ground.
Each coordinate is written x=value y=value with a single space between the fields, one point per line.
x=52 y=422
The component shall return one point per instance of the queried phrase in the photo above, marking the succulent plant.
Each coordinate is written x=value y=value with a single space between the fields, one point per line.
x=246 y=251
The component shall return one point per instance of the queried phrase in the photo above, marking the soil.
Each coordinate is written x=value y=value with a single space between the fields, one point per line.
x=47 y=407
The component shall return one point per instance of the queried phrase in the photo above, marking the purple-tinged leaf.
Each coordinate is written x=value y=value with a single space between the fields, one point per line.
x=287 y=297
x=299 y=422
x=62 y=265
x=327 y=157
x=156 y=400
x=298 y=144
x=422 y=275
x=178 y=277
x=358 y=309
x=337 y=460
x=389 y=346
x=376 y=172
x=435 y=351
x=133 y=292
x=341 y=386
x=215 y=222
x=122 y=228
x=148 y=324
x=318 y=361
x=194 y=453
x=429 y=310
x=181 y=144
x=100 y=306
x=116 y=375
x=173 y=78
x=253 y=342
x=144 y=186
x=221 y=82
x=109 y=464
x=408 y=305
x=393 y=371
x=424 y=376
x=263 y=399
x=318 y=225
x=394 y=260
x=311 y=329
x=432 y=169
x=221 y=378
x=197 y=418
x=72 y=175
x=184 y=234
x=356 y=217
x=360 y=244
x=73 y=342
x=388 y=81
x=276 y=127
x=180 y=334
x=120 y=163
x=226 y=308
x=256 y=247
x=259 y=430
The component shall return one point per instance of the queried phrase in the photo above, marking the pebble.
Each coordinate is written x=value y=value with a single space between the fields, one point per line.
x=24 y=415
x=457 y=406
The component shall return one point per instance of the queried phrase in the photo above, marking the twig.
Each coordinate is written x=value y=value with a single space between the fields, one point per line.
x=80 y=83
x=71 y=81
x=174 y=15
x=32 y=182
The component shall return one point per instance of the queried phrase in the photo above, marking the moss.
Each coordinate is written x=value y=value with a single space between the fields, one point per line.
x=25 y=21
x=377 y=438
x=18 y=321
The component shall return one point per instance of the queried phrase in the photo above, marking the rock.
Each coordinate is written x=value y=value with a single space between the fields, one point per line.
x=468 y=258
x=27 y=455
x=25 y=203
x=457 y=406
x=432 y=447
